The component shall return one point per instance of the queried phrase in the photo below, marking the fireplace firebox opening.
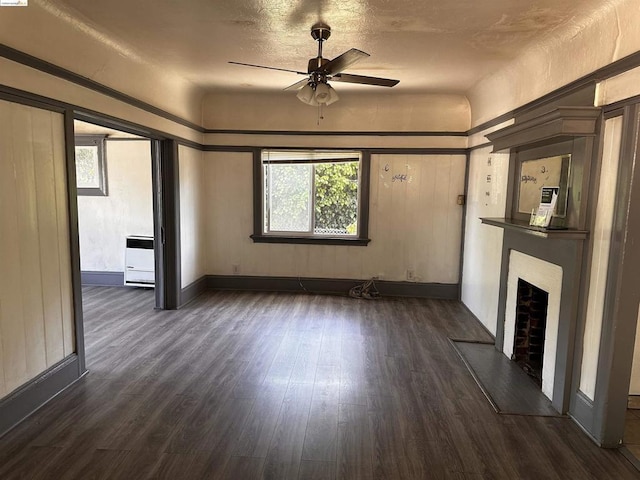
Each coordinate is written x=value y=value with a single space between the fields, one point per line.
x=531 y=322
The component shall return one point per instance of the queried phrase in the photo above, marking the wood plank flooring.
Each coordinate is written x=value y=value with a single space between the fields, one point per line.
x=287 y=386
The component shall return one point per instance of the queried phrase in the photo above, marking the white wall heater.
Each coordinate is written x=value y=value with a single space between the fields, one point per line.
x=139 y=262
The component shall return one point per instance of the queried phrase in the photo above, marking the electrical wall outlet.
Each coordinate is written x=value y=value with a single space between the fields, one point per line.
x=236 y=269
x=411 y=275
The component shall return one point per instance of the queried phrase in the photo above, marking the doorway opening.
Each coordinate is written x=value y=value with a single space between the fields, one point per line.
x=116 y=222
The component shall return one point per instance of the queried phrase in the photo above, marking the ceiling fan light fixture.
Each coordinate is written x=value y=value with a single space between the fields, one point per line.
x=333 y=96
x=322 y=93
x=307 y=95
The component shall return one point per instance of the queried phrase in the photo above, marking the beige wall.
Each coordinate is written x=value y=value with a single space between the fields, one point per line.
x=192 y=218
x=105 y=222
x=412 y=225
x=570 y=53
x=36 y=311
x=25 y=78
x=45 y=30
x=483 y=243
x=355 y=112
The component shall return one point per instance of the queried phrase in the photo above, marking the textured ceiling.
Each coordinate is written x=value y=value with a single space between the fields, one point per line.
x=430 y=46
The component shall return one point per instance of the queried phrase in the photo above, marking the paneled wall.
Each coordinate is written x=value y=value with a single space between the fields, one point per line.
x=483 y=244
x=36 y=309
x=192 y=208
x=105 y=222
x=414 y=223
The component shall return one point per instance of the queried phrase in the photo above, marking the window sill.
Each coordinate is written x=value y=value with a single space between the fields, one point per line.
x=310 y=240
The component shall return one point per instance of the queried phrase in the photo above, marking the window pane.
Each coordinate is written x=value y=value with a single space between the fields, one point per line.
x=87 y=167
x=336 y=199
x=288 y=197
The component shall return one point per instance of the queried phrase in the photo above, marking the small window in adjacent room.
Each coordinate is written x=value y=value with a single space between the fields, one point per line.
x=312 y=196
x=91 y=170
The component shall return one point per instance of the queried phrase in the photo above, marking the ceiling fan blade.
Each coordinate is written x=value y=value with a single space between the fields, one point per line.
x=381 y=82
x=298 y=85
x=269 y=68
x=344 y=61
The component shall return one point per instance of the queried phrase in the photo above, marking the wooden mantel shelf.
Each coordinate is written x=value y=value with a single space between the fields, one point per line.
x=524 y=227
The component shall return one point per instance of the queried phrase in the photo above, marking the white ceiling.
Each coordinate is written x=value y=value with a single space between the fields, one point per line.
x=430 y=46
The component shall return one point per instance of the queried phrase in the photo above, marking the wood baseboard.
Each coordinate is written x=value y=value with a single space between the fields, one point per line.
x=102 y=279
x=330 y=286
x=21 y=403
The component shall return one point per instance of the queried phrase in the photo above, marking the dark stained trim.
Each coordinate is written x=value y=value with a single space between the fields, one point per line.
x=419 y=151
x=582 y=413
x=51 y=69
x=620 y=313
x=258 y=214
x=354 y=242
x=365 y=200
x=115 y=123
x=582 y=408
x=193 y=290
x=608 y=109
x=34 y=394
x=158 y=226
x=330 y=286
x=103 y=279
x=6 y=94
x=541 y=232
x=463 y=227
x=338 y=133
x=74 y=239
x=482 y=145
x=363 y=214
x=374 y=150
x=170 y=213
x=228 y=148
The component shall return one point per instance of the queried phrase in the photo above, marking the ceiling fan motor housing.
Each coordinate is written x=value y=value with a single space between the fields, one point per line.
x=316 y=64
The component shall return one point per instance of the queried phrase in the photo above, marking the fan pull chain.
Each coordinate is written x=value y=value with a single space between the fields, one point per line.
x=320 y=115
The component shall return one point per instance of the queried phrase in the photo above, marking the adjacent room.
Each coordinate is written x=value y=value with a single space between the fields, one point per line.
x=319 y=240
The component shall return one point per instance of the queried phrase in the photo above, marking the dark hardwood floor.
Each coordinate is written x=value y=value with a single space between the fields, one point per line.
x=283 y=386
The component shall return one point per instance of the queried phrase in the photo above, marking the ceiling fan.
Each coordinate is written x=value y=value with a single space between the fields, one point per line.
x=315 y=89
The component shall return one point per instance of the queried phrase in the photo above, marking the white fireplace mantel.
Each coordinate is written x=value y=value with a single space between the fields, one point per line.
x=548 y=277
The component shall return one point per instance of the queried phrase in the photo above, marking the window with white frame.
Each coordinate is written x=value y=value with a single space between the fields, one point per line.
x=312 y=194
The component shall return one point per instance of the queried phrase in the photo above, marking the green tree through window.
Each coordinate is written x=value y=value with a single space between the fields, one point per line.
x=314 y=194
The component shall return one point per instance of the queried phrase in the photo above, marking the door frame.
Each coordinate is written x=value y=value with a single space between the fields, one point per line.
x=165 y=187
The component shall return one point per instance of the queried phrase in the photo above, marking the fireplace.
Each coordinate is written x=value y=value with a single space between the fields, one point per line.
x=531 y=321
x=545 y=277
